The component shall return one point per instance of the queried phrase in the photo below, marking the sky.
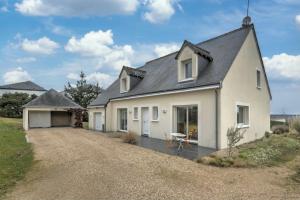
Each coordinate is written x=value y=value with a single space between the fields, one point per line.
x=51 y=41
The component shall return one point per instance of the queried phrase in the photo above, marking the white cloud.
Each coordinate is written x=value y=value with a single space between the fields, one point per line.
x=73 y=76
x=41 y=46
x=160 y=11
x=100 y=45
x=297 y=19
x=104 y=80
x=16 y=75
x=26 y=60
x=167 y=48
x=76 y=7
x=283 y=66
x=4 y=9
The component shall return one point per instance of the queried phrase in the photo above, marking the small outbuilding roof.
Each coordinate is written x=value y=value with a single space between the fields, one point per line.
x=27 y=85
x=52 y=98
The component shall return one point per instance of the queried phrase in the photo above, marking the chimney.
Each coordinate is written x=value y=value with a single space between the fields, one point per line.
x=246 y=21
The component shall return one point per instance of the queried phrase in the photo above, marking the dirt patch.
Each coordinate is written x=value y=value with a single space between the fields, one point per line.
x=79 y=164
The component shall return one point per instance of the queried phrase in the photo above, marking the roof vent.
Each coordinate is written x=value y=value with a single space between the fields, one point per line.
x=246 y=21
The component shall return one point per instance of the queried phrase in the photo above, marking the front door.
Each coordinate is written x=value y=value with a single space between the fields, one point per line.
x=98 y=121
x=145 y=122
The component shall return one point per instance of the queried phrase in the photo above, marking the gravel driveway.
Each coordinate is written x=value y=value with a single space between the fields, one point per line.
x=79 y=164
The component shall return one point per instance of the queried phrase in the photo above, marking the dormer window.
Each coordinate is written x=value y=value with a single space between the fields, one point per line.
x=124 y=86
x=188 y=69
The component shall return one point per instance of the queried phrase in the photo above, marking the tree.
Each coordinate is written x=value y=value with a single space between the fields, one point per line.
x=234 y=135
x=11 y=104
x=83 y=93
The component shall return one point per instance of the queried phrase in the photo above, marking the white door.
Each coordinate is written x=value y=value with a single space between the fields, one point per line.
x=145 y=122
x=98 y=121
x=39 y=119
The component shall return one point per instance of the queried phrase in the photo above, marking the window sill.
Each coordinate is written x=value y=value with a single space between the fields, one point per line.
x=124 y=131
x=135 y=119
x=123 y=92
x=243 y=126
x=258 y=88
x=186 y=80
x=156 y=120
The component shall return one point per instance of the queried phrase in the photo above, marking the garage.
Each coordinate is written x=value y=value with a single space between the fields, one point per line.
x=52 y=109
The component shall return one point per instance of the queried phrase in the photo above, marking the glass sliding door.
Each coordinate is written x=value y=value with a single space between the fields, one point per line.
x=122 y=117
x=187 y=121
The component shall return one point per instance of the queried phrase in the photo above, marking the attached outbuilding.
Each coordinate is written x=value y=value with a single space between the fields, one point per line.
x=51 y=109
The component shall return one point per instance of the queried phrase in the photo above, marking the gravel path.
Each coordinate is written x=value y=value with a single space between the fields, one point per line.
x=76 y=164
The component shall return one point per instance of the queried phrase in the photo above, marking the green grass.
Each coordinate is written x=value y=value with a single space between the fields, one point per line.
x=16 y=154
x=271 y=151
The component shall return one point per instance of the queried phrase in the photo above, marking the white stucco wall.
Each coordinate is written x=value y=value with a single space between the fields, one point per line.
x=4 y=91
x=239 y=86
x=205 y=100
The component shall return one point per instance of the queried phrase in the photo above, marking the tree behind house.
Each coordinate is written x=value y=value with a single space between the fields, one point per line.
x=11 y=104
x=83 y=93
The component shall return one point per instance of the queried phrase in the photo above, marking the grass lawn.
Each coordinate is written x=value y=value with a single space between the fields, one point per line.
x=16 y=154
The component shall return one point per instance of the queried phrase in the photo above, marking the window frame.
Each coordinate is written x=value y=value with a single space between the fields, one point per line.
x=124 y=87
x=183 y=70
x=242 y=125
x=152 y=114
x=258 y=78
x=135 y=118
x=119 y=119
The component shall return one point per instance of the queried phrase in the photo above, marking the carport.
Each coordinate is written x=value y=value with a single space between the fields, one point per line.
x=52 y=109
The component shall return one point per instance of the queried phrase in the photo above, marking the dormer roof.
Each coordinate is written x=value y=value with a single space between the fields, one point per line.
x=197 y=50
x=133 y=72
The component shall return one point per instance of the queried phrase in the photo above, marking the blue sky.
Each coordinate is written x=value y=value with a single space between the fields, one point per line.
x=51 y=41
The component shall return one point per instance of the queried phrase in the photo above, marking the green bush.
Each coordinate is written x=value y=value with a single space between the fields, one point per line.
x=11 y=104
x=129 y=138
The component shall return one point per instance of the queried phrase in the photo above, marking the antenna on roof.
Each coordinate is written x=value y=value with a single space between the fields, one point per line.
x=247 y=19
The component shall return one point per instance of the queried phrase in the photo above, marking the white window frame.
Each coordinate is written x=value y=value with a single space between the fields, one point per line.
x=183 y=71
x=152 y=113
x=124 y=88
x=242 y=125
x=135 y=118
x=258 y=86
x=118 y=119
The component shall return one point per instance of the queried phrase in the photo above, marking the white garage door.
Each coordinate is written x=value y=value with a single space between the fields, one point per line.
x=39 y=119
x=98 y=121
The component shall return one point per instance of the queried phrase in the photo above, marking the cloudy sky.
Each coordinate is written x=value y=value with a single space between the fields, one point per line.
x=51 y=41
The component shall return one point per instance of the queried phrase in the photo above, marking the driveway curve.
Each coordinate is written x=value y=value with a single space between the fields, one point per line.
x=76 y=164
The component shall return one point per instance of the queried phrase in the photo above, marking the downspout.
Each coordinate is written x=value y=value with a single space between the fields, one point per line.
x=217 y=118
x=104 y=119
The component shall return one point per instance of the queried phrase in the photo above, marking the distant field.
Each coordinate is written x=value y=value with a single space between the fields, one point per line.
x=16 y=154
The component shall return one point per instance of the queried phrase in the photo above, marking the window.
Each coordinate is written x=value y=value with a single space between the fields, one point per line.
x=258 y=79
x=124 y=85
x=188 y=69
x=242 y=116
x=122 y=118
x=154 y=113
x=135 y=113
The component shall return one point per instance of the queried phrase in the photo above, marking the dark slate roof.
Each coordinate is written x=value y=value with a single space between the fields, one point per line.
x=161 y=73
x=27 y=85
x=197 y=49
x=52 y=98
x=134 y=72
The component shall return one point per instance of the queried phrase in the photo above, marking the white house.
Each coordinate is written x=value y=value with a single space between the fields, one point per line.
x=201 y=90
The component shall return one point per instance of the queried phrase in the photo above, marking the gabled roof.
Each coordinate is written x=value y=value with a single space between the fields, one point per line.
x=133 y=72
x=161 y=73
x=198 y=50
x=27 y=85
x=52 y=98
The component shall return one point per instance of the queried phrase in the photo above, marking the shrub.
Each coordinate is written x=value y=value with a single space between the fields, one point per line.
x=295 y=124
x=267 y=134
x=129 y=138
x=280 y=129
x=234 y=135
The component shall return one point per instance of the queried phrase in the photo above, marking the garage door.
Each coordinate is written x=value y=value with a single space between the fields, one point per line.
x=60 y=118
x=39 y=119
x=98 y=121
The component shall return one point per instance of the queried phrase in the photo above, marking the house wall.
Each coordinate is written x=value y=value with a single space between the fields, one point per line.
x=92 y=112
x=4 y=91
x=164 y=126
x=240 y=86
